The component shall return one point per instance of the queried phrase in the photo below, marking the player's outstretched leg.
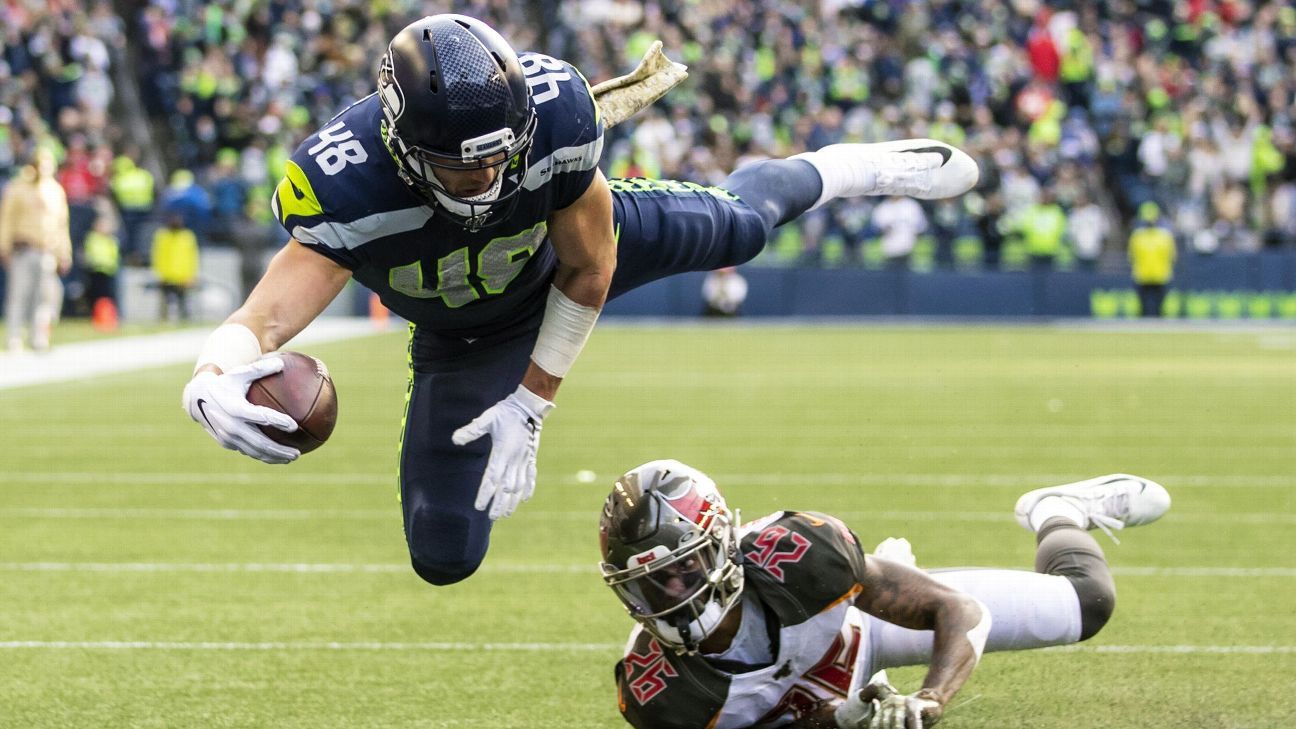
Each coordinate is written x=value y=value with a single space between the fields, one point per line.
x=921 y=168
x=782 y=190
x=1060 y=516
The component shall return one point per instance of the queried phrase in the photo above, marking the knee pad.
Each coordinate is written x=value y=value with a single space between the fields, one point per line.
x=446 y=547
x=1069 y=551
x=444 y=573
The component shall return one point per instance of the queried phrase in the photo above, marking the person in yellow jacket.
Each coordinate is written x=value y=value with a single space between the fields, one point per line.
x=35 y=250
x=133 y=189
x=175 y=263
x=1043 y=227
x=1152 y=258
x=102 y=259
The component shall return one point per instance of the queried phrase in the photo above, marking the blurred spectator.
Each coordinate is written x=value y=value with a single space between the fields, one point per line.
x=1043 y=227
x=900 y=220
x=35 y=249
x=724 y=291
x=1152 y=258
x=187 y=198
x=175 y=264
x=102 y=260
x=1087 y=228
x=132 y=188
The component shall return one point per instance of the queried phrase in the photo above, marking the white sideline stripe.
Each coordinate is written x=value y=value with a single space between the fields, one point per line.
x=791 y=480
x=443 y=647
x=556 y=647
x=81 y=360
x=520 y=568
x=289 y=567
x=994 y=517
x=1177 y=649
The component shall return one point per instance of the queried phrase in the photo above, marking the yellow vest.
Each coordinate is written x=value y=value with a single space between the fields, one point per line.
x=175 y=256
x=1042 y=227
x=133 y=188
x=102 y=254
x=1152 y=255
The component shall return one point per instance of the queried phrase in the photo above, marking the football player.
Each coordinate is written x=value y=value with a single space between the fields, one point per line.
x=466 y=193
x=781 y=621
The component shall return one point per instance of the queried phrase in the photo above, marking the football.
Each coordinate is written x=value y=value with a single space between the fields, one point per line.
x=304 y=391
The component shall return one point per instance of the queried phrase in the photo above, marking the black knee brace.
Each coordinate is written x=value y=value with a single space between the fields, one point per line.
x=1067 y=550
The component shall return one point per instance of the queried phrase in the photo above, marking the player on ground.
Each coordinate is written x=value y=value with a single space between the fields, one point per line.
x=466 y=193
x=781 y=622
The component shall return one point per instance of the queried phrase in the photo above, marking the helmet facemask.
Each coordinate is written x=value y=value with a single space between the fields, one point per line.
x=683 y=585
x=505 y=150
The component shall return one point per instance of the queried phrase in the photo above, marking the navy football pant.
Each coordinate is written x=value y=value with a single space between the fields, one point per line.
x=663 y=228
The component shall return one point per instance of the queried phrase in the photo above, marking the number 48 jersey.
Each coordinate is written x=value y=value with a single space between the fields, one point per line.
x=804 y=569
x=342 y=197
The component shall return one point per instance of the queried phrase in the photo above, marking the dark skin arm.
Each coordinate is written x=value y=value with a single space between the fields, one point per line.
x=911 y=599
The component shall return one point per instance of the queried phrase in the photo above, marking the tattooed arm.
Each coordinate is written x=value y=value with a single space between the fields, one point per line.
x=910 y=598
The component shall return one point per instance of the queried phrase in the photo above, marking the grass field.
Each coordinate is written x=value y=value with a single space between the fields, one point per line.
x=150 y=579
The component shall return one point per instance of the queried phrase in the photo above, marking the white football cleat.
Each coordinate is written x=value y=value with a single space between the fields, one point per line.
x=1107 y=502
x=921 y=168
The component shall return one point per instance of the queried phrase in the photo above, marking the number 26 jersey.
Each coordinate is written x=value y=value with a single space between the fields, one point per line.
x=804 y=571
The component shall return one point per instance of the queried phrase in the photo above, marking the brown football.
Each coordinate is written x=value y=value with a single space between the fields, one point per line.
x=304 y=391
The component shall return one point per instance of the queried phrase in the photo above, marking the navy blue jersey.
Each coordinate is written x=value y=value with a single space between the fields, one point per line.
x=341 y=196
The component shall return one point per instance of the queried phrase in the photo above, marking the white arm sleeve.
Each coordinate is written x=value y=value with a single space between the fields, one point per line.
x=563 y=333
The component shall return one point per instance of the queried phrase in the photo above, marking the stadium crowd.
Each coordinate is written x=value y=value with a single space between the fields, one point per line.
x=1078 y=113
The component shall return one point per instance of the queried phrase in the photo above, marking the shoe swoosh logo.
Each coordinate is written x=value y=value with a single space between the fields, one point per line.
x=944 y=152
x=203 y=413
x=1142 y=484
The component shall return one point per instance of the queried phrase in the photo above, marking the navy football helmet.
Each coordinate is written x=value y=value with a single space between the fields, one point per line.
x=670 y=552
x=454 y=97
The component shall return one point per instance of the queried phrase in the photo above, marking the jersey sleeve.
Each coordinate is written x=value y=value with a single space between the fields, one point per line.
x=804 y=563
x=298 y=208
x=570 y=136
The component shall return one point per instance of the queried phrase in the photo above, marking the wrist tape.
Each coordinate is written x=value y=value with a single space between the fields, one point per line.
x=229 y=347
x=566 y=327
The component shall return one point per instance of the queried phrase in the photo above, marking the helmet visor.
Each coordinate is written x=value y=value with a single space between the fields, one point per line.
x=660 y=585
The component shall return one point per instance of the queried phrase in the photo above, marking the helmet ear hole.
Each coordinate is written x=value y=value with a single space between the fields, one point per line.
x=433 y=81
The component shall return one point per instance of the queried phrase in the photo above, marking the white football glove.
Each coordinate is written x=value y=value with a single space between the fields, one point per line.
x=219 y=403
x=514 y=427
x=892 y=710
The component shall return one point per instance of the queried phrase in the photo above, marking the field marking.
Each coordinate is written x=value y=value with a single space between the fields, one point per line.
x=166 y=513
x=553 y=647
x=527 y=568
x=82 y=360
x=1178 y=649
x=766 y=478
x=444 y=647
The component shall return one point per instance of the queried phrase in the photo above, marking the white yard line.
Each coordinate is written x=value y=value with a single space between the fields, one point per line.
x=81 y=360
x=523 y=568
x=231 y=514
x=440 y=647
x=275 y=476
x=552 y=647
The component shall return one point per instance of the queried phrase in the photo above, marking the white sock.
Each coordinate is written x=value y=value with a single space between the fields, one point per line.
x=1056 y=506
x=842 y=171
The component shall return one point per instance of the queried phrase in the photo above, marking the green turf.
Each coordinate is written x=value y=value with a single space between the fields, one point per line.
x=928 y=433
